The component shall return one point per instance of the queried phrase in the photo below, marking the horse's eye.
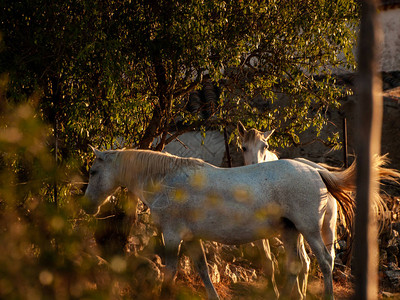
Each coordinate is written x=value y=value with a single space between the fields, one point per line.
x=92 y=172
x=244 y=149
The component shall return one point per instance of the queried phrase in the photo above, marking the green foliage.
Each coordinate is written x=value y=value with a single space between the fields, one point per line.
x=291 y=68
x=126 y=68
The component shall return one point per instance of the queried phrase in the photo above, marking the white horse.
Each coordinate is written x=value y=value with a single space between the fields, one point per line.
x=192 y=200
x=255 y=150
x=255 y=145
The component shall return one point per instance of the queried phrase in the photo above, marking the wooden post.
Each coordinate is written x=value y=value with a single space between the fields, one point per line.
x=56 y=98
x=345 y=155
x=368 y=132
x=55 y=188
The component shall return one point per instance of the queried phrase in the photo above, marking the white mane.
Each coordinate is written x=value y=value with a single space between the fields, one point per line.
x=133 y=163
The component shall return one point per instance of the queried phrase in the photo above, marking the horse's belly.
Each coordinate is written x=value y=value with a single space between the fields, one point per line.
x=233 y=231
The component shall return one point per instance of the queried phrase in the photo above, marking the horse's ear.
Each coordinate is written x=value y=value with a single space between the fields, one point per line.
x=96 y=152
x=241 y=129
x=268 y=134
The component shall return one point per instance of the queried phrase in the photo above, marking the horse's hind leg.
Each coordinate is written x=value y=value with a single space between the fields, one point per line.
x=328 y=229
x=324 y=259
x=196 y=253
x=268 y=263
x=293 y=263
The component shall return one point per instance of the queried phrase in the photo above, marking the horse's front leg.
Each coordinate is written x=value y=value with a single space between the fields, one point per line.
x=293 y=262
x=196 y=253
x=268 y=263
x=172 y=244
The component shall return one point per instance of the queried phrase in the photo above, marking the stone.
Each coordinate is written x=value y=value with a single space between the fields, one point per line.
x=341 y=245
x=394 y=278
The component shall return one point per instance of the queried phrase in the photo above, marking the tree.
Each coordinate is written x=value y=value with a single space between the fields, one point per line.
x=126 y=68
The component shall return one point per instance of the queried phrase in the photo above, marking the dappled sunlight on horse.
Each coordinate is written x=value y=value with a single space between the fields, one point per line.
x=191 y=200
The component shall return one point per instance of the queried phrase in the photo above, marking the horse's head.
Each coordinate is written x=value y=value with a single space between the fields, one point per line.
x=102 y=180
x=255 y=145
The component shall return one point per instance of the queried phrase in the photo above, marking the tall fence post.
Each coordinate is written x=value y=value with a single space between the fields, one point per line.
x=55 y=98
x=55 y=188
x=345 y=152
x=369 y=124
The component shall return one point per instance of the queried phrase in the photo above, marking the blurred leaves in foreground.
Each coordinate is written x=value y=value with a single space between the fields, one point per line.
x=39 y=244
x=48 y=250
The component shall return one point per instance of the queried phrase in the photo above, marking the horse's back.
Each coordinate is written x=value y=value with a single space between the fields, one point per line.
x=239 y=204
x=288 y=183
x=284 y=171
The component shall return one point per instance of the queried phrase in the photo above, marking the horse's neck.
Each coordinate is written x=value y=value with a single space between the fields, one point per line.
x=141 y=181
x=142 y=186
x=145 y=178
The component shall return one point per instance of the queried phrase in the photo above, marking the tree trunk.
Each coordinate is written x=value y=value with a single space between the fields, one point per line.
x=152 y=129
x=162 y=110
x=369 y=135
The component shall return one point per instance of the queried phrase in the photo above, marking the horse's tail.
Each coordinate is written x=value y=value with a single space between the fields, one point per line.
x=342 y=186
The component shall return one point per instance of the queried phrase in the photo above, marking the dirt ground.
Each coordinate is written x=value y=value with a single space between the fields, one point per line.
x=257 y=291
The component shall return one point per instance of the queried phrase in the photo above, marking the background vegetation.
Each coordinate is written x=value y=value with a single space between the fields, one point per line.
x=81 y=72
